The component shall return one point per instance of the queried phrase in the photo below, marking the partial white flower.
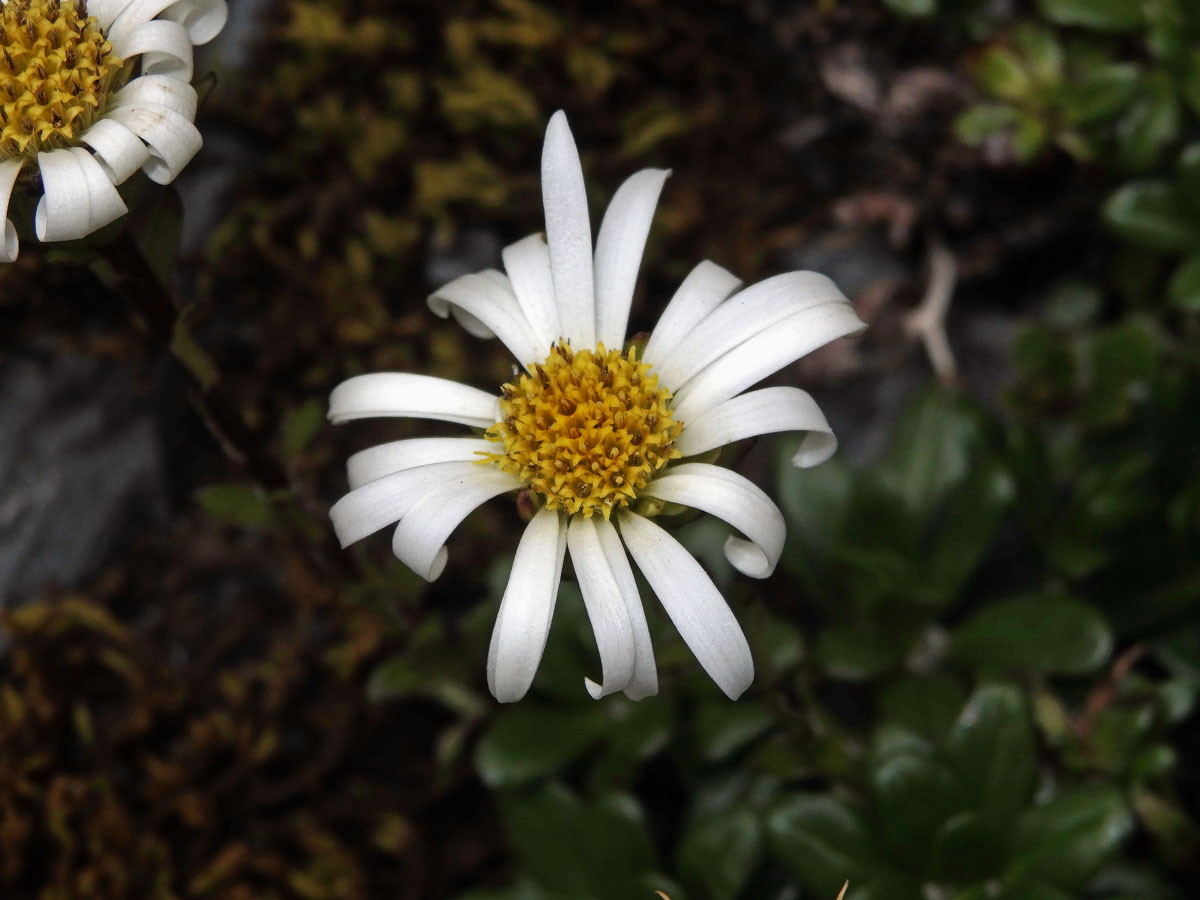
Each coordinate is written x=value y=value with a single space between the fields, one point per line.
x=89 y=94
x=600 y=438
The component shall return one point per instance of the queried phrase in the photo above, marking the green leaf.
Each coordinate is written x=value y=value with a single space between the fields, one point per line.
x=850 y=654
x=722 y=728
x=924 y=704
x=236 y=504
x=991 y=747
x=584 y=849
x=302 y=425
x=1149 y=125
x=823 y=840
x=966 y=528
x=1099 y=15
x=1067 y=840
x=1121 y=363
x=963 y=850
x=914 y=796
x=912 y=7
x=1188 y=171
x=717 y=853
x=999 y=71
x=1152 y=214
x=929 y=451
x=1102 y=92
x=980 y=122
x=1054 y=635
x=527 y=742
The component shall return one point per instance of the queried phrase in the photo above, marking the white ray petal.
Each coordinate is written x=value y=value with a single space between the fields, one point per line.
x=619 y=247
x=106 y=11
x=420 y=538
x=767 y=352
x=765 y=411
x=10 y=245
x=734 y=499
x=172 y=139
x=396 y=456
x=386 y=500
x=79 y=196
x=747 y=313
x=117 y=149
x=692 y=601
x=403 y=395
x=606 y=608
x=644 y=681
x=164 y=47
x=698 y=295
x=158 y=90
x=527 y=263
x=492 y=303
x=202 y=19
x=519 y=637
x=568 y=234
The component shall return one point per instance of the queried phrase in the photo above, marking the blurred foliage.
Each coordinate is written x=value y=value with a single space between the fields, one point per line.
x=978 y=662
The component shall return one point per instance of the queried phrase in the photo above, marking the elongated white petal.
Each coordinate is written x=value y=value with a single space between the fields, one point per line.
x=420 y=538
x=402 y=395
x=10 y=246
x=728 y=496
x=527 y=263
x=79 y=196
x=644 y=681
x=172 y=139
x=202 y=19
x=117 y=149
x=749 y=312
x=568 y=233
x=386 y=500
x=698 y=295
x=606 y=608
x=523 y=622
x=384 y=459
x=764 y=411
x=693 y=603
x=164 y=47
x=158 y=90
x=106 y=11
x=753 y=360
x=492 y=303
x=619 y=247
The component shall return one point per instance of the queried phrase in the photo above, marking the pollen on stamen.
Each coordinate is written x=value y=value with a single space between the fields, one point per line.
x=586 y=430
x=56 y=74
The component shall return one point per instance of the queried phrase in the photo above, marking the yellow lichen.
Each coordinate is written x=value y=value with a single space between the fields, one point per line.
x=56 y=72
x=586 y=431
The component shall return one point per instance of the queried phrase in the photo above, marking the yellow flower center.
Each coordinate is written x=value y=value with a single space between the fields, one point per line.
x=56 y=72
x=586 y=430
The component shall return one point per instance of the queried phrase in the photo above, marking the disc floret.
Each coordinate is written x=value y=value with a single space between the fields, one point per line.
x=586 y=430
x=56 y=73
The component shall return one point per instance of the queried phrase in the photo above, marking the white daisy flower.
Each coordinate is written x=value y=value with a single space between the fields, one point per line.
x=90 y=93
x=600 y=437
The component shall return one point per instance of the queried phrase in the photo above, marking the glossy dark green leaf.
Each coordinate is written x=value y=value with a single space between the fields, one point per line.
x=930 y=449
x=914 y=796
x=1101 y=93
x=1184 y=288
x=980 y=122
x=300 y=427
x=1101 y=15
x=1149 y=124
x=582 y=848
x=851 y=654
x=1152 y=214
x=991 y=747
x=1034 y=890
x=718 y=852
x=1121 y=361
x=924 y=704
x=1068 y=839
x=966 y=527
x=912 y=7
x=1055 y=635
x=526 y=742
x=963 y=850
x=721 y=728
x=823 y=840
x=1002 y=74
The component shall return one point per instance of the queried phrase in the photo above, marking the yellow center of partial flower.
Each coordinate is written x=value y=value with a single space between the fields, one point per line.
x=586 y=430
x=56 y=71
